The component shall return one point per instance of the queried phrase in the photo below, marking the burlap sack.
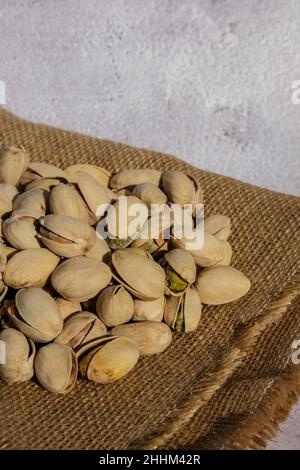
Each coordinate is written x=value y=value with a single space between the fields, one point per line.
x=227 y=385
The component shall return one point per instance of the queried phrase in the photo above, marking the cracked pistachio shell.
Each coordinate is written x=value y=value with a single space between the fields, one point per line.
x=68 y=277
x=30 y=268
x=142 y=276
x=8 y=190
x=133 y=177
x=37 y=170
x=100 y=250
x=19 y=357
x=115 y=306
x=122 y=212
x=66 y=236
x=180 y=188
x=36 y=314
x=36 y=199
x=151 y=310
x=150 y=194
x=221 y=284
x=97 y=172
x=56 y=368
x=218 y=225
x=108 y=360
x=65 y=200
x=182 y=263
x=94 y=193
x=13 y=163
x=46 y=184
x=213 y=251
x=151 y=337
x=183 y=313
x=81 y=328
x=67 y=307
x=20 y=229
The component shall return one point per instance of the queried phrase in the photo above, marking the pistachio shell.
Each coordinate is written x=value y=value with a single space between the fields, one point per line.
x=67 y=307
x=100 y=174
x=141 y=275
x=30 y=268
x=109 y=361
x=115 y=306
x=100 y=250
x=152 y=337
x=56 y=368
x=36 y=314
x=19 y=357
x=36 y=199
x=5 y=205
x=13 y=162
x=94 y=193
x=38 y=170
x=67 y=279
x=151 y=310
x=133 y=177
x=124 y=212
x=3 y=258
x=65 y=200
x=20 y=229
x=81 y=328
x=43 y=183
x=183 y=313
x=150 y=194
x=9 y=191
x=218 y=225
x=182 y=263
x=180 y=188
x=221 y=284
x=66 y=236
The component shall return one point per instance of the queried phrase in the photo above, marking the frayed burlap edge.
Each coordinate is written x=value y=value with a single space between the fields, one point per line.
x=253 y=435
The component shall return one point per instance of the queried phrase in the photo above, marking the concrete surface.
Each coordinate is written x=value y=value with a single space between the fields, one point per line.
x=208 y=80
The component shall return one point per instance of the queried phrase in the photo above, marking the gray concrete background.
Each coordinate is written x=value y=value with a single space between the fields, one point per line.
x=208 y=80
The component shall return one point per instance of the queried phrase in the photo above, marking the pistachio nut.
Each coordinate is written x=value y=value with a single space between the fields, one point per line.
x=36 y=199
x=95 y=195
x=13 y=163
x=150 y=194
x=9 y=191
x=151 y=337
x=108 y=360
x=67 y=307
x=100 y=174
x=221 y=284
x=115 y=306
x=142 y=276
x=65 y=200
x=35 y=314
x=218 y=225
x=46 y=184
x=56 y=368
x=66 y=236
x=121 y=221
x=5 y=204
x=100 y=250
x=127 y=178
x=67 y=279
x=180 y=188
x=152 y=310
x=19 y=357
x=30 y=268
x=155 y=233
x=180 y=270
x=81 y=328
x=37 y=170
x=8 y=250
x=183 y=313
x=20 y=229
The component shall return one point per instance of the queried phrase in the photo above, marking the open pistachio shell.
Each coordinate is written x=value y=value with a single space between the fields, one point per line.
x=115 y=306
x=19 y=357
x=100 y=174
x=13 y=163
x=56 y=368
x=126 y=178
x=65 y=200
x=218 y=225
x=46 y=184
x=37 y=170
x=67 y=279
x=36 y=314
x=151 y=310
x=180 y=269
x=180 y=188
x=109 y=360
x=66 y=236
x=80 y=329
x=140 y=275
x=36 y=199
x=94 y=194
x=67 y=307
x=221 y=284
x=152 y=337
x=30 y=268
x=100 y=250
x=150 y=194
x=183 y=313
x=20 y=229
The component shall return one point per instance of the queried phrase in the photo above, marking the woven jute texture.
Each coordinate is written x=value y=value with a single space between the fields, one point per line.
x=228 y=384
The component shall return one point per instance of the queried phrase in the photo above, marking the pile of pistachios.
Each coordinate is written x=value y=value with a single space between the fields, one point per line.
x=74 y=303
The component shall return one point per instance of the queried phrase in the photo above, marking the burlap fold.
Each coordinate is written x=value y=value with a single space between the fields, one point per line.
x=228 y=384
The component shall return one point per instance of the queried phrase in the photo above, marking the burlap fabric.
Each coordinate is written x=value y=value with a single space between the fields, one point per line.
x=227 y=385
